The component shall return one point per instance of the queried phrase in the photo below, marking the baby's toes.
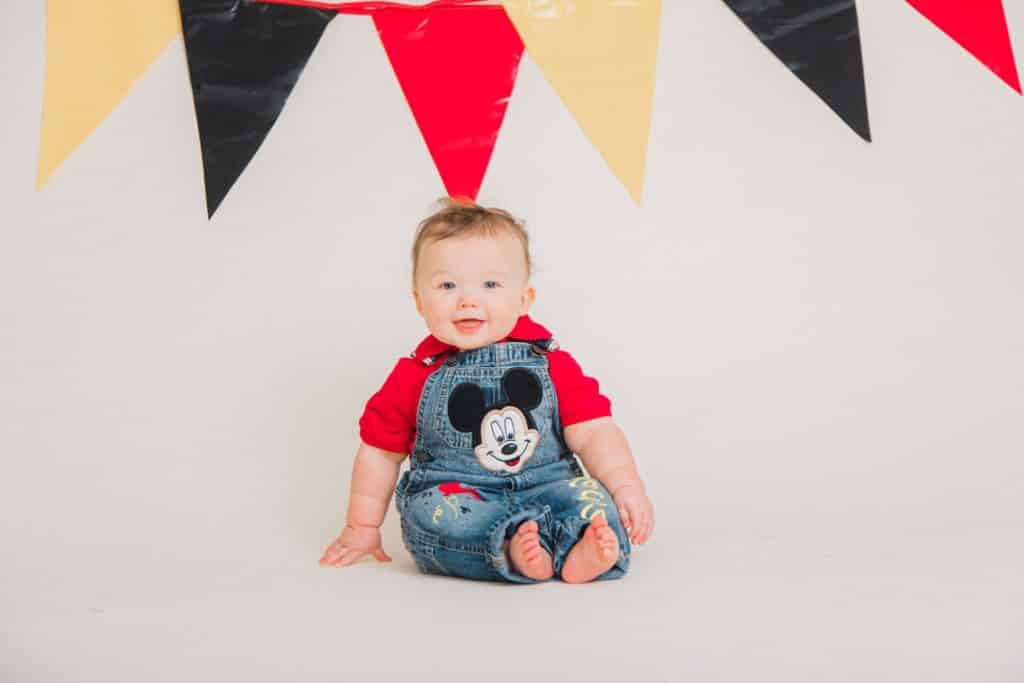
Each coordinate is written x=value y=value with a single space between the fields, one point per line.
x=526 y=530
x=527 y=540
x=607 y=542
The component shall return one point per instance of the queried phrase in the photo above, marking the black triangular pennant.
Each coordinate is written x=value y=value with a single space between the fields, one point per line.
x=244 y=59
x=819 y=40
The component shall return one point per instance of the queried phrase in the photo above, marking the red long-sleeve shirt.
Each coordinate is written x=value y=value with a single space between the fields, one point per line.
x=388 y=421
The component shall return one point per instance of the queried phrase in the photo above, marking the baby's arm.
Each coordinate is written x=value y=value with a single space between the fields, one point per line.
x=374 y=474
x=605 y=453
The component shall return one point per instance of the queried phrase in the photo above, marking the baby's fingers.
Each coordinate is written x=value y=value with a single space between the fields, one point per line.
x=351 y=556
x=333 y=552
x=640 y=523
x=633 y=524
x=649 y=530
x=647 y=525
x=642 y=529
x=627 y=521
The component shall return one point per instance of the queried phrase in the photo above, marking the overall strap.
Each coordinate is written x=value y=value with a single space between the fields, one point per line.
x=542 y=346
x=538 y=346
x=430 y=360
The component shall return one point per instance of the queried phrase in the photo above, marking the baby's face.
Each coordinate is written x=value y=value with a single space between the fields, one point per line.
x=472 y=290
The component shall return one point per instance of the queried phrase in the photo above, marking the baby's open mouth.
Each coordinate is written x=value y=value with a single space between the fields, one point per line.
x=468 y=324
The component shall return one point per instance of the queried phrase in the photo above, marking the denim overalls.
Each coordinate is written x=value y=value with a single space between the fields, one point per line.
x=490 y=454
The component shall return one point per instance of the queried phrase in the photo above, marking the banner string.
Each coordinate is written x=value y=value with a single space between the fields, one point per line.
x=369 y=7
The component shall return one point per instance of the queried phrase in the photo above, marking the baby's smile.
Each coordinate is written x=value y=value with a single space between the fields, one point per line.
x=468 y=325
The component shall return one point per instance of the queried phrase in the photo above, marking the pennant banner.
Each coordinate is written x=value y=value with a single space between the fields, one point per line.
x=980 y=28
x=243 y=59
x=456 y=62
x=600 y=58
x=457 y=66
x=819 y=41
x=95 y=51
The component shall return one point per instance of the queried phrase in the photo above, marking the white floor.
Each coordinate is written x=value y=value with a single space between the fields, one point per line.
x=699 y=605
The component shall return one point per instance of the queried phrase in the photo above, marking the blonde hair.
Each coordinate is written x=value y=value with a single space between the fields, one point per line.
x=463 y=218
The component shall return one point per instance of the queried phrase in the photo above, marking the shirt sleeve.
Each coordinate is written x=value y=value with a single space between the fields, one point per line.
x=388 y=421
x=579 y=396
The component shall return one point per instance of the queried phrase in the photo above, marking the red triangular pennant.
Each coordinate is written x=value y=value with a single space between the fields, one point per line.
x=980 y=28
x=457 y=66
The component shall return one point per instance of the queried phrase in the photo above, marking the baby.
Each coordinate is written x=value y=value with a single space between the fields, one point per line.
x=491 y=411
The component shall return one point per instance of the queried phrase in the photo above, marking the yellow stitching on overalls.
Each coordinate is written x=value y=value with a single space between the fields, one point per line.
x=451 y=501
x=591 y=495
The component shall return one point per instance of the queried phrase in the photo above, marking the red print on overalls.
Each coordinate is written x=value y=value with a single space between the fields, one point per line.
x=452 y=487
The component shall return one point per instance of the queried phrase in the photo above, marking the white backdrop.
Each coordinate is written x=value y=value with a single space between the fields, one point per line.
x=814 y=345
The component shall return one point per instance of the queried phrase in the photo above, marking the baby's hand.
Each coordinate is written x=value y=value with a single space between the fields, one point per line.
x=354 y=542
x=636 y=512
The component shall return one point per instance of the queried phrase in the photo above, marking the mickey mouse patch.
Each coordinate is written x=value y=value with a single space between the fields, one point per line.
x=504 y=433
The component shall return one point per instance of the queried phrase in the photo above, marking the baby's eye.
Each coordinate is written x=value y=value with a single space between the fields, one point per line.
x=491 y=284
x=447 y=284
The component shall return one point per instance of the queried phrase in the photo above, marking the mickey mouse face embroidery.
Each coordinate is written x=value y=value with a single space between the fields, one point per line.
x=506 y=440
x=504 y=434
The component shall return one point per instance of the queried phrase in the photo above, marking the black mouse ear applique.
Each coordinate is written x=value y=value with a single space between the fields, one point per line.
x=466 y=407
x=522 y=388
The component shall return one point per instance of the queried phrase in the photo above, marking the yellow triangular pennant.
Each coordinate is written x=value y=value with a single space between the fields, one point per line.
x=599 y=56
x=95 y=51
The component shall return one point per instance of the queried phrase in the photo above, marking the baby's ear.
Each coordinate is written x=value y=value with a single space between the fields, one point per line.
x=466 y=407
x=529 y=294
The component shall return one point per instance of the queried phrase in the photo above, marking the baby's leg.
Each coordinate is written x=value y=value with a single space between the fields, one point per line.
x=446 y=528
x=586 y=536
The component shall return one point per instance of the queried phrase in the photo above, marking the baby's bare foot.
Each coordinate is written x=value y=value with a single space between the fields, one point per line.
x=593 y=555
x=527 y=555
